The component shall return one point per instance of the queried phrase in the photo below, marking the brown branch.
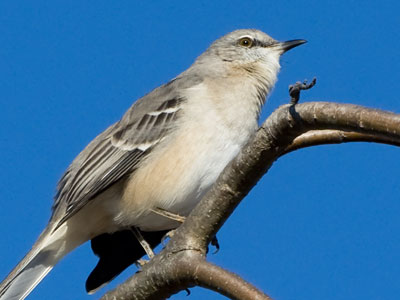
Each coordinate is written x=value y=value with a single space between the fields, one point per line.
x=226 y=283
x=166 y=274
x=184 y=270
x=328 y=136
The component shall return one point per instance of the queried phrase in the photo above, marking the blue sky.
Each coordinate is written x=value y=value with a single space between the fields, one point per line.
x=322 y=224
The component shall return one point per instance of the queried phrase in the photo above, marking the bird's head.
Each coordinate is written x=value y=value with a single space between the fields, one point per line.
x=250 y=45
x=250 y=50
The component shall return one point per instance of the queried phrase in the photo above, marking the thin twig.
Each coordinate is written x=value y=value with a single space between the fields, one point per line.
x=295 y=89
x=328 y=136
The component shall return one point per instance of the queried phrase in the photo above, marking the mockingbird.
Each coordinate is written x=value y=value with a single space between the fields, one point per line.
x=165 y=153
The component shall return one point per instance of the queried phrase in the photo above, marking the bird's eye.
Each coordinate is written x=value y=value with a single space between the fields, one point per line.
x=246 y=42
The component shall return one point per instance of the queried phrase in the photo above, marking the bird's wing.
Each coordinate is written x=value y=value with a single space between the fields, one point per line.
x=116 y=152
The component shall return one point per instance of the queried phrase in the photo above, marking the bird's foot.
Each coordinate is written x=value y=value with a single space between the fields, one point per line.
x=141 y=262
x=168 y=235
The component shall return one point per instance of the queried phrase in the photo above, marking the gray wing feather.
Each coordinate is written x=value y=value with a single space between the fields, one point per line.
x=116 y=152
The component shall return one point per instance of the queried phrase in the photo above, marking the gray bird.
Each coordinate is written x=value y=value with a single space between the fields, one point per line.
x=165 y=153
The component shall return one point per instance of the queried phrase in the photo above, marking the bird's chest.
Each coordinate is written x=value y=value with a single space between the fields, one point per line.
x=184 y=167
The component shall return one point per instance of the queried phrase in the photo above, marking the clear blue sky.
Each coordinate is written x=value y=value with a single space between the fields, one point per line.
x=322 y=224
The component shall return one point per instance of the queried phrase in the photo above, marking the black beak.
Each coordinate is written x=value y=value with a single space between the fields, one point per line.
x=286 y=46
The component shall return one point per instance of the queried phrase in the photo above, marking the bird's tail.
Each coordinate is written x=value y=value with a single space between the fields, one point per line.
x=45 y=253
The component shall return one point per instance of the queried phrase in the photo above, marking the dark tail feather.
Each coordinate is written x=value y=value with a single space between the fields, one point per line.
x=117 y=251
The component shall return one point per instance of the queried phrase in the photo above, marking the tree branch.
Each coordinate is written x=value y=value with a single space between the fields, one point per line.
x=328 y=136
x=226 y=283
x=165 y=274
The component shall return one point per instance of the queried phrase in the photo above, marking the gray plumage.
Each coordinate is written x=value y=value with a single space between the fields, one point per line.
x=116 y=152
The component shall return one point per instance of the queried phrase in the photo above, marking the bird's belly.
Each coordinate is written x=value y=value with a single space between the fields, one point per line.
x=176 y=178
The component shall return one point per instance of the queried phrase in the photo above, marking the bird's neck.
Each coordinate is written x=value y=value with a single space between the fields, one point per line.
x=248 y=83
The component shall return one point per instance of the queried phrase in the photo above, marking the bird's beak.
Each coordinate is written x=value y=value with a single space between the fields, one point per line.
x=286 y=46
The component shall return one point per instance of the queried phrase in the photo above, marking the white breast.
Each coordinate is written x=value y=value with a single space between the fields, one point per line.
x=214 y=127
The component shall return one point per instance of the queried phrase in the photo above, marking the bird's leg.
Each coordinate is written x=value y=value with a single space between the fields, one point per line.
x=136 y=232
x=167 y=214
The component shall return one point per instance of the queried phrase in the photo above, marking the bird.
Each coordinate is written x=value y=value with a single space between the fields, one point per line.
x=164 y=154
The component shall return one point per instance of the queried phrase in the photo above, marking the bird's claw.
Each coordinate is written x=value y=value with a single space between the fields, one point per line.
x=141 y=262
x=168 y=235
